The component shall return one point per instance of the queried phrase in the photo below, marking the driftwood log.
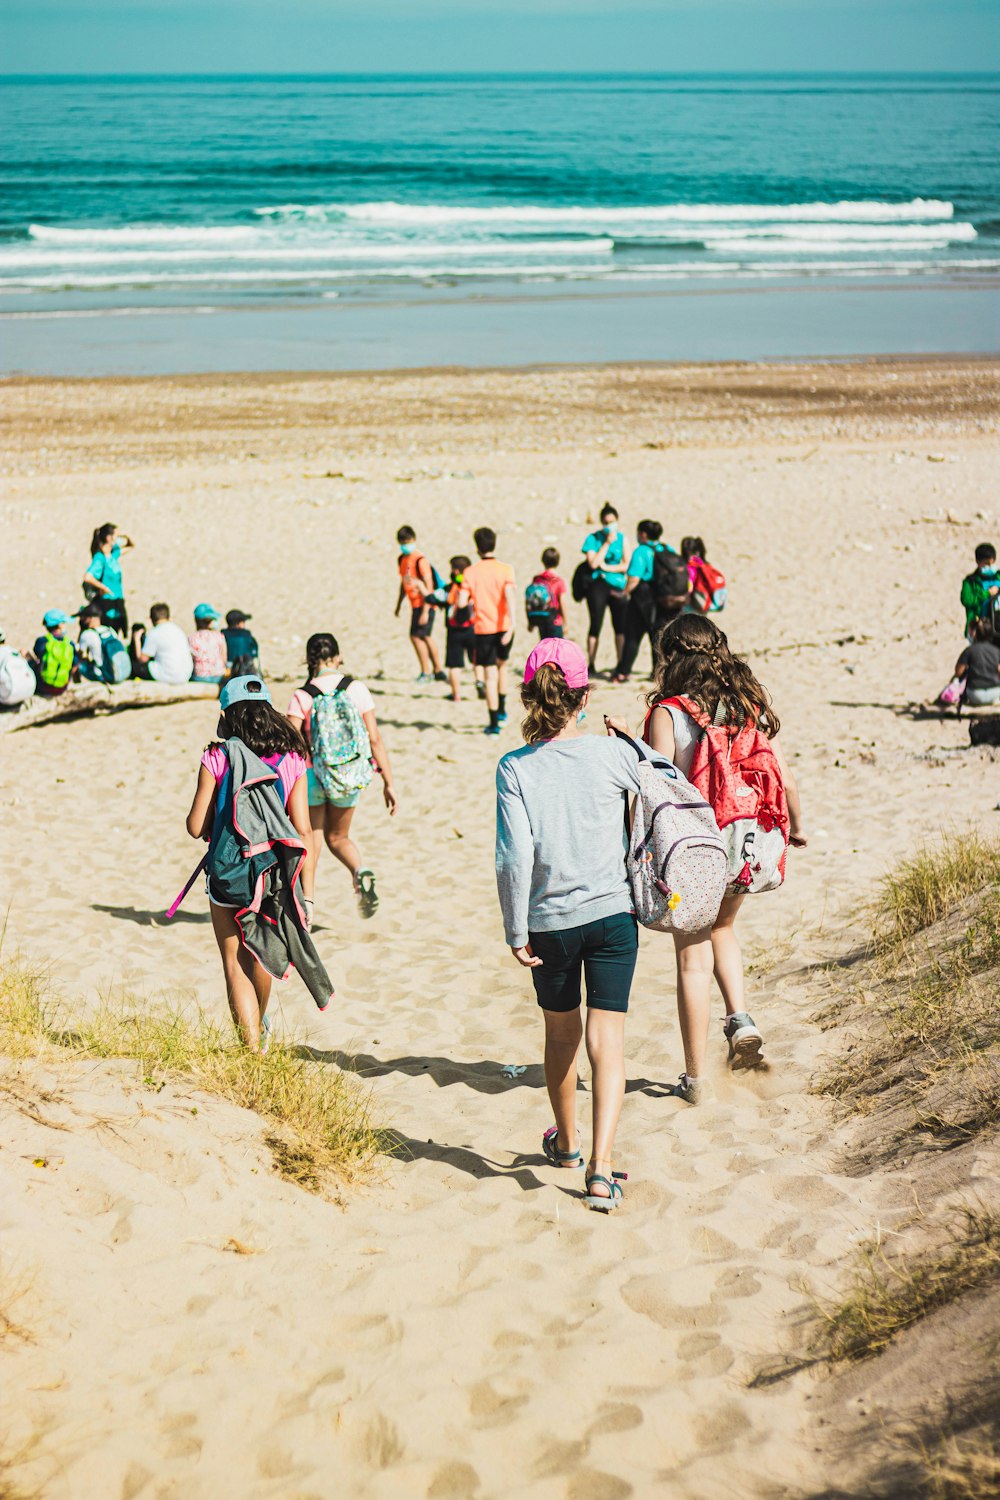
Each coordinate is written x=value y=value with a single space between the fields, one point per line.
x=100 y=698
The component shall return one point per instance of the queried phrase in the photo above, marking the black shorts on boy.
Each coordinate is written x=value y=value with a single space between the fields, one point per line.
x=490 y=649
x=604 y=952
x=460 y=646
x=421 y=631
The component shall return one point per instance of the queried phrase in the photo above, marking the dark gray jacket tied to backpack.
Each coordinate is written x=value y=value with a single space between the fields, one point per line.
x=255 y=861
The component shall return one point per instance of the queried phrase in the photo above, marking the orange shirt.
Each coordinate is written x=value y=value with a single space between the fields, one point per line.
x=487 y=582
x=412 y=574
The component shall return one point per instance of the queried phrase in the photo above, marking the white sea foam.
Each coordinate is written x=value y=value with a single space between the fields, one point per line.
x=144 y=234
x=391 y=212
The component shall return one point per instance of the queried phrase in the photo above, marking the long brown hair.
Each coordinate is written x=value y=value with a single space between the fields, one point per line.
x=550 y=703
x=693 y=660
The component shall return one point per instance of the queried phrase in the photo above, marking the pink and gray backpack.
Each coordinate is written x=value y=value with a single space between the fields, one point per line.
x=736 y=770
x=676 y=858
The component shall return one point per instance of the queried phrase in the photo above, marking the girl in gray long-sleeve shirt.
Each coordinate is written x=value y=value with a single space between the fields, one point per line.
x=567 y=907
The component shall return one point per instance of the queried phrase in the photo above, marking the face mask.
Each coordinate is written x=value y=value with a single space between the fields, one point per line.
x=988 y=568
x=458 y=578
x=406 y=549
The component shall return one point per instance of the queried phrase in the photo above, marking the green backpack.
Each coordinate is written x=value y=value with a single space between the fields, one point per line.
x=56 y=665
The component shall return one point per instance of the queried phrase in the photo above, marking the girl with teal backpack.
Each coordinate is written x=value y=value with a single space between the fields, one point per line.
x=335 y=715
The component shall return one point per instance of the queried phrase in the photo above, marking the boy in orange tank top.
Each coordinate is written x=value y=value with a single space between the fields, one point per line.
x=416 y=581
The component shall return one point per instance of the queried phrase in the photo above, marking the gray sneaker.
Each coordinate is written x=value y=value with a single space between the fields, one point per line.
x=693 y=1090
x=745 y=1041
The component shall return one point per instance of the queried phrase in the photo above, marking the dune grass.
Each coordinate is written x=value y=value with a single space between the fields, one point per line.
x=922 y=890
x=320 y=1117
x=965 y=1467
x=931 y=1019
x=890 y=1295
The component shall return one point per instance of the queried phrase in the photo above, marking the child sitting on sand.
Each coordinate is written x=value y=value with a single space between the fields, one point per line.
x=54 y=659
x=208 y=646
x=702 y=688
x=981 y=587
x=242 y=650
x=979 y=664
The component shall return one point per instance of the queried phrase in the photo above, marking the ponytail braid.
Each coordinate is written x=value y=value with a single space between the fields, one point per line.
x=320 y=648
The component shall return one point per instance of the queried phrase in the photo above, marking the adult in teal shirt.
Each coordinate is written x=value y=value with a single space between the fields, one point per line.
x=643 y=616
x=607 y=552
x=103 y=579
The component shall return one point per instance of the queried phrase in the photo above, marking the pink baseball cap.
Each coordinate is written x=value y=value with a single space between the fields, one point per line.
x=566 y=655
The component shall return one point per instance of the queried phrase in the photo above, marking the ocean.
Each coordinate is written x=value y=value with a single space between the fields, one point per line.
x=200 y=195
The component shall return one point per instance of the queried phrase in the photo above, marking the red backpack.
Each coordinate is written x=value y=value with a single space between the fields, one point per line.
x=708 y=587
x=736 y=771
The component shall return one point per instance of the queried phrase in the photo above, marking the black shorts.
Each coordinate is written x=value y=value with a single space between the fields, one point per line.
x=422 y=631
x=605 y=951
x=460 y=646
x=489 y=649
x=601 y=597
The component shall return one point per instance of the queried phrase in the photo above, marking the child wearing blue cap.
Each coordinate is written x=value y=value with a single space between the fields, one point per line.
x=54 y=658
x=208 y=646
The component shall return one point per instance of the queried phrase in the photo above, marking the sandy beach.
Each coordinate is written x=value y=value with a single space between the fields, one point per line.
x=453 y=1323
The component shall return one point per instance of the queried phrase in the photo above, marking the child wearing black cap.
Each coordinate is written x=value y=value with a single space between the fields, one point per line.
x=241 y=644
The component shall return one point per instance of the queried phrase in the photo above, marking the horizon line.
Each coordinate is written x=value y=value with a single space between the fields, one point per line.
x=458 y=74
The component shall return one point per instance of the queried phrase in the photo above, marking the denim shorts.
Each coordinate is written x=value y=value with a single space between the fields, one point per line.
x=319 y=798
x=604 y=952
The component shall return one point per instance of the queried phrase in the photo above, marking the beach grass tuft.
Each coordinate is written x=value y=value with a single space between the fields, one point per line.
x=890 y=1295
x=922 y=890
x=320 y=1118
x=965 y=1467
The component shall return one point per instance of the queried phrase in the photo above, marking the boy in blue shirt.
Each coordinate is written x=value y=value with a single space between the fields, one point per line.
x=646 y=611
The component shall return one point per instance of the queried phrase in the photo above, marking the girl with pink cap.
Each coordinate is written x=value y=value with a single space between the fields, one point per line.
x=567 y=907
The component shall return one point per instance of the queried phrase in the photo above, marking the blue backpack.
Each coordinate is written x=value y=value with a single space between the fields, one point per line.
x=116 y=665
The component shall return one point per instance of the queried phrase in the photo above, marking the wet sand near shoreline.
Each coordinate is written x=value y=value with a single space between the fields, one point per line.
x=458 y=1325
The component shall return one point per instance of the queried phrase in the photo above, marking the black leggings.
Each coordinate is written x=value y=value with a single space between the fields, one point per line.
x=115 y=615
x=600 y=598
x=638 y=624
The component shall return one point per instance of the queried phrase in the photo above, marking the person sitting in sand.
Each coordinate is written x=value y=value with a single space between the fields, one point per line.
x=242 y=651
x=979 y=665
x=161 y=653
x=416 y=583
x=103 y=578
x=980 y=587
x=343 y=739
x=54 y=657
x=258 y=725
x=102 y=655
x=696 y=668
x=208 y=646
x=565 y=897
x=17 y=680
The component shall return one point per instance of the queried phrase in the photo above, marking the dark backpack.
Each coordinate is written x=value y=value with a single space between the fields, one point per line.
x=670 y=581
x=582 y=580
x=985 y=731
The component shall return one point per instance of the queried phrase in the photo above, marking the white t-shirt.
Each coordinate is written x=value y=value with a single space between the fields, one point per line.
x=169 y=654
x=301 y=706
x=90 y=643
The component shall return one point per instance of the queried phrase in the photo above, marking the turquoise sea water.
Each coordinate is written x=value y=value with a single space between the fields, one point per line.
x=155 y=195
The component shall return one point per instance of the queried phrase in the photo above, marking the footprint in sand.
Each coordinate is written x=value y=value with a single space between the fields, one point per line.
x=490 y=1407
x=454 y=1481
x=648 y=1295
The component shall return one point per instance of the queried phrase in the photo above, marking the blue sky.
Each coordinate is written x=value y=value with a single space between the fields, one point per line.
x=301 y=36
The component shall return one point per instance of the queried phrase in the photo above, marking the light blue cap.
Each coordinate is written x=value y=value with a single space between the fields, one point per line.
x=206 y=612
x=54 y=617
x=243 y=690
